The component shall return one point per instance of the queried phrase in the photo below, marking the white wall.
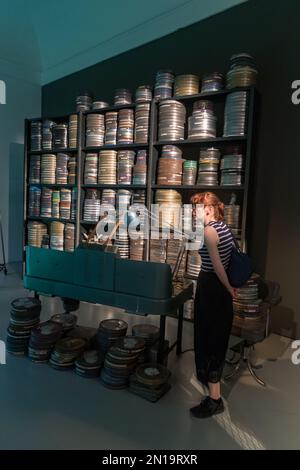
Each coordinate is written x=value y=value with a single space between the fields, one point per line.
x=23 y=99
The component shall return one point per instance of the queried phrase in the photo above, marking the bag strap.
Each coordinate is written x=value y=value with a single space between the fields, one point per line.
x=236 y=244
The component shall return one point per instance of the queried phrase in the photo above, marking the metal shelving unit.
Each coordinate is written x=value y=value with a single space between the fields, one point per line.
x=190 y=150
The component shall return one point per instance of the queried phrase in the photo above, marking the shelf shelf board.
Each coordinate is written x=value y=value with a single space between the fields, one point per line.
x=115 y=147
x=42 y=152
x=51 y=219
x=115 y=108
x=194 y=143
x=88 y=222
x=210 y=95
x=56 y=185
x=114 y=186
x=199 y=186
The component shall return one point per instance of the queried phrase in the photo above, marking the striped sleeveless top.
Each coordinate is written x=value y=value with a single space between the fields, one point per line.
x=224 y=247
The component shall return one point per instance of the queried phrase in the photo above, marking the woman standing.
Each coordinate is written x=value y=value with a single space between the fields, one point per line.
x=213 y=304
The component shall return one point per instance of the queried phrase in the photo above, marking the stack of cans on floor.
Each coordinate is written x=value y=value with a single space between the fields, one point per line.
x=143 y=93
x=91 y=168
x=125 y=126
x=164 y=81
x=89 y=364
x=91 y=206
x=232 y=170
x=142 y=116
x=42 y=341
x=172 y=116
x=34 y=201
x=111 y=127
x=36 y=136
x=47 y=143
x=73 y=130
x=107 y=173
x=95 y=130
x=66 y=320
x=209 y=160
x=24 y=316
x=150 y=334
x=65 y=353
x=125 y=160
x=122 y=96
x=186 y=85
x=34 y=169
x=235 y=114
x=169 y=166
x=100 y=105
x=48 y=168
x=62 y=160
x=109 y=332
x=121 y=361
x=212 y=82
x=150 y=381
x=242 y=71
x=189 y=172
x=203 y=122
x=60 y=136
x=35 y=233
x=140 y=168
x=84 y=102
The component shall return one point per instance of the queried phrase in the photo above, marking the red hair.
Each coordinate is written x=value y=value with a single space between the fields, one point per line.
x=210 y=199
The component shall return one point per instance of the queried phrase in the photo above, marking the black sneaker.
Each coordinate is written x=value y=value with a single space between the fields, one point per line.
x=207 y=408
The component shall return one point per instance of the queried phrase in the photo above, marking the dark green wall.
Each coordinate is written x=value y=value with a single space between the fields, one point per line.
x=270 y=31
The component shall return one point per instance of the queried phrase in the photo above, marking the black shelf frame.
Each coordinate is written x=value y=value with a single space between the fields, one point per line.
x=54 y=151
x=52 y=185
x=124 y=146
x=154 y=147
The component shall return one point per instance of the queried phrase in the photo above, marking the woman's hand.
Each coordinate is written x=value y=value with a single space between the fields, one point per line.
x=232 y=292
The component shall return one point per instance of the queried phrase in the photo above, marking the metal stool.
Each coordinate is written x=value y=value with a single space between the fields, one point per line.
x=271 y=297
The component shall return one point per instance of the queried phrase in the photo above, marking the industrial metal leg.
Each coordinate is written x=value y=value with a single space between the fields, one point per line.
x=161 y=343
x=250 y=368
x=179 y=331
x=246 y=358
x=2 y=265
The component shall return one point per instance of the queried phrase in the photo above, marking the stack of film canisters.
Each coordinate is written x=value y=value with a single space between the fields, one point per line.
x=150 y=381
x=65 y=353
x=42 y=340
x=109 y=332
x=89 y=364
x=121 y=361
x=24 y=316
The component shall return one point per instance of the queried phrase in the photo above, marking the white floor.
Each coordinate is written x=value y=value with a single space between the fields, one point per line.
x=45 y=409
